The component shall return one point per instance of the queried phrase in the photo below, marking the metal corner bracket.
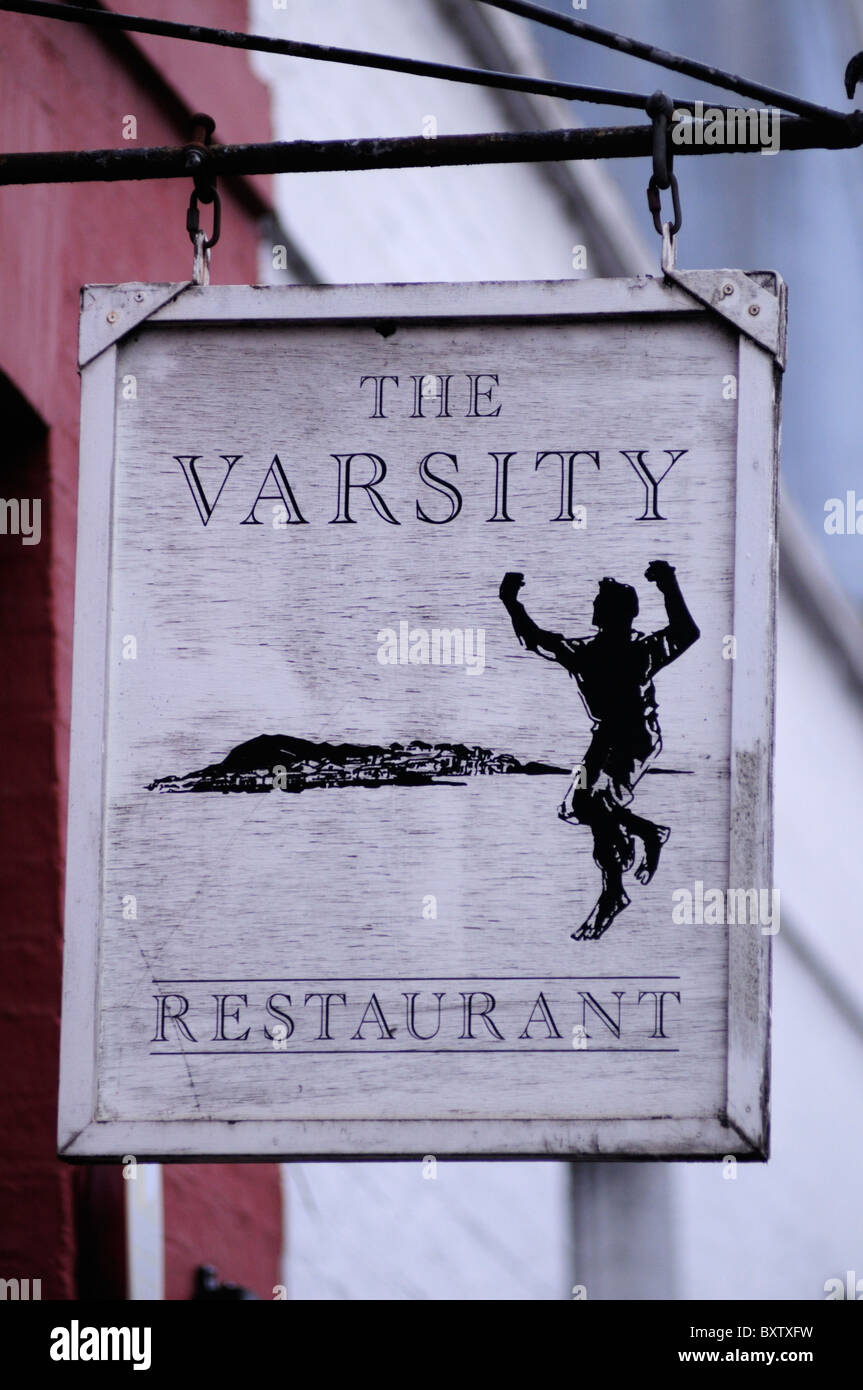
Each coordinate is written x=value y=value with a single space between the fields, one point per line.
x=109 y=312
x=754 y=302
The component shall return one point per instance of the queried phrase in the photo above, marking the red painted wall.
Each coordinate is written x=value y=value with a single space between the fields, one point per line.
x=237 y=1223
x=64 y=87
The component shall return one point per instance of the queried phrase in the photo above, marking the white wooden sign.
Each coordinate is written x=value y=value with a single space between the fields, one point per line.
x=421 y=756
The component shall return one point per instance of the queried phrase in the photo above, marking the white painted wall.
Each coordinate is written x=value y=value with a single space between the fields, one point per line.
x=145 y=1231
x=384 y=1231
x=476 y=223
x=783 y=1230
x=819 y=790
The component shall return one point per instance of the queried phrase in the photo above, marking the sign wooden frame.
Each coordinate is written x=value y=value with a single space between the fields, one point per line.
x=753 y=307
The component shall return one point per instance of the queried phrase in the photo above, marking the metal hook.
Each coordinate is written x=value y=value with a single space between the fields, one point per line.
x=198 y=156
x=660 y=109
x=654 y=202
x=204 y=191
x=853 y=75
x=193 y=219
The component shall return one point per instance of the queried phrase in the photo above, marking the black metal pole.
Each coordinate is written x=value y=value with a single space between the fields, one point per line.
x=319 y=156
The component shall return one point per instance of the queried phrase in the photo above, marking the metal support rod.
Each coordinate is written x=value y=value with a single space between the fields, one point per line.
x=412 y=152
x=261 y=43
x=635 y=48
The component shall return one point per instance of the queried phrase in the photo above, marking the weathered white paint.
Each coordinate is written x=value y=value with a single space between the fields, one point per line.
x=206 y=608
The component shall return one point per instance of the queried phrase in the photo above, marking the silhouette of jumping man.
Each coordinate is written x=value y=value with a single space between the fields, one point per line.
x=614 y=671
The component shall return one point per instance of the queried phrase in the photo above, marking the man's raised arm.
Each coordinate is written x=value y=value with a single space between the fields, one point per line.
x=681 y=632
x=536 y=639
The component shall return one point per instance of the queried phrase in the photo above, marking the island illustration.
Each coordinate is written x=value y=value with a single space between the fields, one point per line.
x=278 y=762
x=614 y=670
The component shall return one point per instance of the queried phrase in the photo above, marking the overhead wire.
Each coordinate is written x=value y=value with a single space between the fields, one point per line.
x=110 y=20
x=636 y=48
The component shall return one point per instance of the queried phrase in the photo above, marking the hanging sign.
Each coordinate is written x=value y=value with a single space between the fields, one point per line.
x=421 y=752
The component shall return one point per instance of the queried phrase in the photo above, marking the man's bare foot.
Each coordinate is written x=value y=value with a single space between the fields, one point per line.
x=653 y=843
x=601 y=917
